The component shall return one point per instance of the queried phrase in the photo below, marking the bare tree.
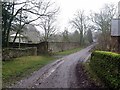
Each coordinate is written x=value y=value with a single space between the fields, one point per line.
x=79 y=23
x=102 y=21
x=48 y=24
x=89 y=36
x=75 y=36
x=32 y=10
x=65 y=36
x=41 y=9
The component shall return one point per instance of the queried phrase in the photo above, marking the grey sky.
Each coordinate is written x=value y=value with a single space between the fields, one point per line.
x=69 y=7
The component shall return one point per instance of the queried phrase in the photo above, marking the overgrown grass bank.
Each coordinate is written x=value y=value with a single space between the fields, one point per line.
x=92 y=75
x=106 y=66
x=15 y=69
x=67 y=52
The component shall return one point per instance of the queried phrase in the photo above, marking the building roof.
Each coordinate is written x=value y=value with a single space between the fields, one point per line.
x=13 y=35
x=30 y=32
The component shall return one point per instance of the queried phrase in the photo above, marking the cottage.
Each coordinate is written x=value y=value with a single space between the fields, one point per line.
x=20 y=38
x=29 y=34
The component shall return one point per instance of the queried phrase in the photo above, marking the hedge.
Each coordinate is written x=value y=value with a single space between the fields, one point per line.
x=106 y=65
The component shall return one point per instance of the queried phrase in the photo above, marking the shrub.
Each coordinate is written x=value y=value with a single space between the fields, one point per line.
x=106 y=65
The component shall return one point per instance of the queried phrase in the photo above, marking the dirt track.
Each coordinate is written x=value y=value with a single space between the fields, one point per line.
x=60 y=74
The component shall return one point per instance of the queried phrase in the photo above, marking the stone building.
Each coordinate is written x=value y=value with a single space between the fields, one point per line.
x=115 y=35
x=20 y=37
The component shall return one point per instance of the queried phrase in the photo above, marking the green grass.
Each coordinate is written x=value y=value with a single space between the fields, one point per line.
x=15 y=69
x=18 y=68
x=92 y=75
x=67 y=52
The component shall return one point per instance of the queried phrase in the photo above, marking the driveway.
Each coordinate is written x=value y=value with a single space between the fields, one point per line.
x=59 y=74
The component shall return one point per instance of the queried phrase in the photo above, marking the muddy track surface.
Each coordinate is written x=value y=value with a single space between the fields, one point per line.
x=59 y=74
x=82 y=78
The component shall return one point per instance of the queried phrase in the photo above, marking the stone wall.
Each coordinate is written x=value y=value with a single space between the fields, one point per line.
x=36 y=49
x=10 y=53
x=61 y=46
x=41 y=47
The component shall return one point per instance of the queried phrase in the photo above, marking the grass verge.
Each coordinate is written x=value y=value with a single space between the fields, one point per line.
x=92 y=76
x=19 y=67
x=67 y=52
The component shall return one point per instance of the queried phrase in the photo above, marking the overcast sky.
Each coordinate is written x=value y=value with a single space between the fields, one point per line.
x=69 y=7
